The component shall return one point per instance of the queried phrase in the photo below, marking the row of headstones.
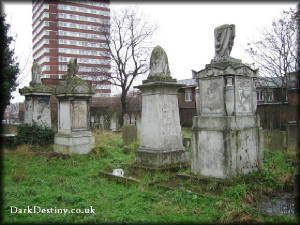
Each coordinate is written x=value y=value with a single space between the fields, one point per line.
x=110 y=121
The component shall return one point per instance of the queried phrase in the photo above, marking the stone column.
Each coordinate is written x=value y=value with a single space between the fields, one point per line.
x=161 y=140
x=226 y=137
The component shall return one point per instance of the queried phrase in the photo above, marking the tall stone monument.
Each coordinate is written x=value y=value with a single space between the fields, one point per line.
x=74 y=95
x=37 y=99
x=227 y=139
x=160 y=139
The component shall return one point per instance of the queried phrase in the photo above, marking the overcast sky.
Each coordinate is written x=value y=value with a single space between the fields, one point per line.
x=185 y=31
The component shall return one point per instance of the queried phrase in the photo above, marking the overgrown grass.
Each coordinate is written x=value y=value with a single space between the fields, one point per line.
x=9 y=129
x=186 y=132
x=35 y=180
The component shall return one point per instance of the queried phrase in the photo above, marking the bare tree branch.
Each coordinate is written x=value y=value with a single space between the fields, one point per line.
x=276 y=53
x=129 y=48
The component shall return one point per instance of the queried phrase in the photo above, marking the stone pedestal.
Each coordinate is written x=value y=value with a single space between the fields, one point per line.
x=37 y=104
x=160 y=139
x=227 y=139
x=74 y=135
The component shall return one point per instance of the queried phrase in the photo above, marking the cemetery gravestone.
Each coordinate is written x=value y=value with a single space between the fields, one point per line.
x=278 y=140
x=138 y=123
x=292 y=134
x=126 y=119
x=129 y=134
x=226 y=137
x=74 y=95
x=37 y=99
x=114 y=122
x=160 y=140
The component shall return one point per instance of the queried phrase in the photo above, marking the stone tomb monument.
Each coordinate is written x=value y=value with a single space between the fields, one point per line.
x=160 y=138
x=73 y=94
x=37 y=99
x=227 y=139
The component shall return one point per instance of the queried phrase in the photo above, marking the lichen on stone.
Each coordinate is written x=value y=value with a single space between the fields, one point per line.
x=159 y=65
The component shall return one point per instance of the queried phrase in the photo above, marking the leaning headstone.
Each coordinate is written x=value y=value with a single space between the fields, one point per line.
x=226 y=137
x=161 y=140
x=37 y=99
x=74 y=98
x=129 y=134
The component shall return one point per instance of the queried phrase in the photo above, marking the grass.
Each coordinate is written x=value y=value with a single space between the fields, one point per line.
x=186 y=132
x=74 y=182
x=9 y=129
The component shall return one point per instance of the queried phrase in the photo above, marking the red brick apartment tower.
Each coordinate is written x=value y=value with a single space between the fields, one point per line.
x=67 y=29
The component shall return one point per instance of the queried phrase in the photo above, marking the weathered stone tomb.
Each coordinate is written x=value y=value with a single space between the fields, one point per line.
x=37 y=99
x=74 y=96
x=227 y=139
x=160 y=138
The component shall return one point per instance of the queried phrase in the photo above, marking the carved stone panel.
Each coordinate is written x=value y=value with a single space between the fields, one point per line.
x=79 y=114
x=243 y=95
x=212 y=100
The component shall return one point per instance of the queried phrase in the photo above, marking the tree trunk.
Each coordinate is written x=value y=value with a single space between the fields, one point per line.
x=123 y=107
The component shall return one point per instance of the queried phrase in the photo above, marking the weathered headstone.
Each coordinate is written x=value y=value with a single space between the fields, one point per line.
x=114 y=122
x=278 y=140
x=129 y=134
x=132 y=119
x=187 y=141
x=227 y=139
x=292 y=134
x=37 y=99
x=101 y=122
x=161 y=139
x=126 y=119
x=138 y=123
x=92 y=121
x=74 y=95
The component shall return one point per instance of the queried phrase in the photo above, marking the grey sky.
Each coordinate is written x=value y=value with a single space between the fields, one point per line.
x=185 y=31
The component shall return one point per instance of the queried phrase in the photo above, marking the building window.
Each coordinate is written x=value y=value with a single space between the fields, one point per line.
x=188 y=96
x=270 y=96
x=260 y=95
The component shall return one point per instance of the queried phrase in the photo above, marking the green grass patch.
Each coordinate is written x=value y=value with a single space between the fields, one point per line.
x=74 y=183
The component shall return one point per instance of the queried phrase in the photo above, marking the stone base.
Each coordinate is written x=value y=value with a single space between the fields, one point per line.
x=161 y=159
x=226 y=146
x=75 y=143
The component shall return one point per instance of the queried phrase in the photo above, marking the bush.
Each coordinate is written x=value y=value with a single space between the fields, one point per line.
x=39 y=135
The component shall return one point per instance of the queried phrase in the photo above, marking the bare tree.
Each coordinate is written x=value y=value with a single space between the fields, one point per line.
x=129 y=49
x=276 y=54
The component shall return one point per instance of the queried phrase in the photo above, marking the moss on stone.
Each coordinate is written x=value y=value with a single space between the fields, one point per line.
x=74 y=85
x=36 y=88
x=159 y=77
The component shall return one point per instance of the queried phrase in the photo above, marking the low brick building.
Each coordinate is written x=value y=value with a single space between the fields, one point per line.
x=187 y=101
